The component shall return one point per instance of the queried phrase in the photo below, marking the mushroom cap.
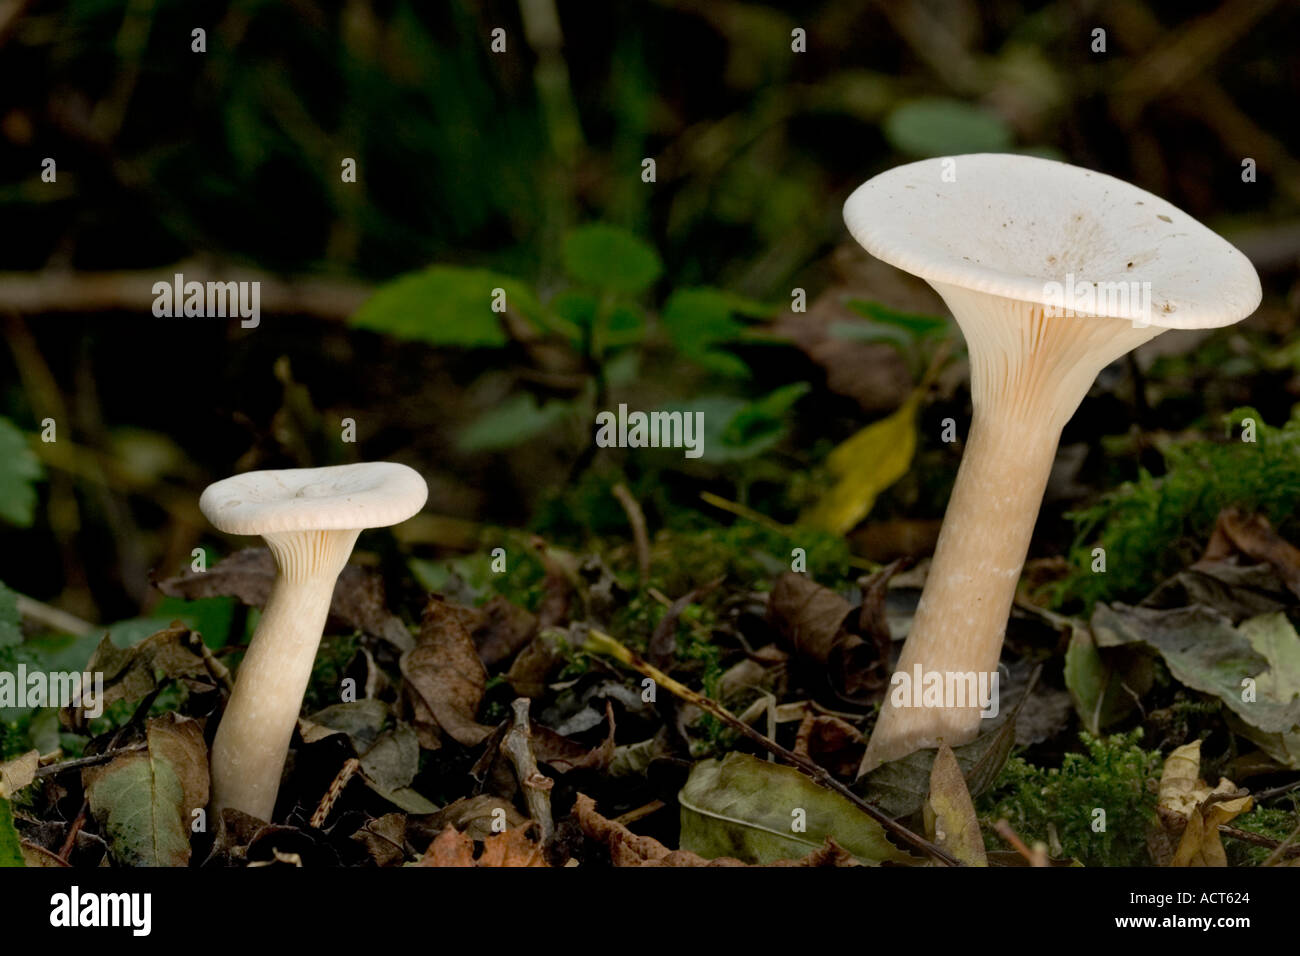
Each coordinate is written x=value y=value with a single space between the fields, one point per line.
x=340 y=497
x=1011 y=225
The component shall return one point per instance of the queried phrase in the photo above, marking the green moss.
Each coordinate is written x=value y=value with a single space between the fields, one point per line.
x=1276 y=824
x=1153 y=527
x=1111 y=774
x=747 y=554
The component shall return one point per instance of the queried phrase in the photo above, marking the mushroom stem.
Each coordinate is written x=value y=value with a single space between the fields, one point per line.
x=1029 y=371
x=252 y=741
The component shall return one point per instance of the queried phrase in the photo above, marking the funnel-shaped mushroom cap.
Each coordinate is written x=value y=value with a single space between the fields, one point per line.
x=340 y=497
x=1024 y=228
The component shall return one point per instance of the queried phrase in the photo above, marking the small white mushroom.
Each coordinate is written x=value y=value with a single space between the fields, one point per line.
x=310 y=519
x=1052 y=272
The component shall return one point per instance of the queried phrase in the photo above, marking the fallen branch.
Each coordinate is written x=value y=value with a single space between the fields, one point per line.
x=518 y=746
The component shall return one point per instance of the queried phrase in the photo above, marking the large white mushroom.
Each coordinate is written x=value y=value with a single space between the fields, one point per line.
x=1052 y=272
x=310 y=519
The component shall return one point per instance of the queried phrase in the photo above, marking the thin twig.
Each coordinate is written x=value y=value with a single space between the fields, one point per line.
x=1256 y=838
x=518 y=746
x=1036 y=857
x=636 y=518
x=1277 y=791
x=74 y=830
x=654 y=806
x=1282 y=848
x=600 y=643
x=94 y=760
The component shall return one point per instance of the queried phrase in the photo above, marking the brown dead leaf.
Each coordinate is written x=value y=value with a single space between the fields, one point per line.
x=132 y=672
x=502 y=629
x=843 y=645
x=831 y=742
x=475 y=816
x=383 y=838
x=1252 y=535
x=358 y=602
x=950 y=819
x=449 y=848
x=562 y=754
x=18 y=773
x=445 y=679
x=511 y=848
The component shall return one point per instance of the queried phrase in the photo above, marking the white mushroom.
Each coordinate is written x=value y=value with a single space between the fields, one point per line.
x=1052 y=272
x=310 y=519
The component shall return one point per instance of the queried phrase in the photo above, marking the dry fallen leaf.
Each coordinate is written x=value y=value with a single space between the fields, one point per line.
x=950 y=819
x=18 y=773
x=1191 y=811
x=358 y=601
x=511 y=848
x=445 y=678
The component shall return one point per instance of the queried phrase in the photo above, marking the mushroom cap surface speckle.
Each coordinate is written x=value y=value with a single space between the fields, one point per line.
x=339 y=497
x=1011 y=225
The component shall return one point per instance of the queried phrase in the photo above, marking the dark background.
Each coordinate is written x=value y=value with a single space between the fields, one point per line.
x=228 y=161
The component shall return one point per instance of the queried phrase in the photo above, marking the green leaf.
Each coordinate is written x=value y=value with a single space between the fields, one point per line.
x=610 y=258
x=446 y=305
x=735 y=430
x=624 y=324
x=1103 y=682
x=143 y=800
x=11 y=851
x=701 y=319
x=759 y=425
x=945 y=127
x=1206 y=652
x=19 y=471
x=511 y=423
x=745 y=808
x=10 y=630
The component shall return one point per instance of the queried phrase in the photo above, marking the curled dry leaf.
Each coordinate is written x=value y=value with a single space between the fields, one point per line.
x=510 y=848
x=384 y=839
x=1192 y=812
x=132 y=672
x=835 y=642
x=1236 y=532
x=834 y=743
x=445 y=679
